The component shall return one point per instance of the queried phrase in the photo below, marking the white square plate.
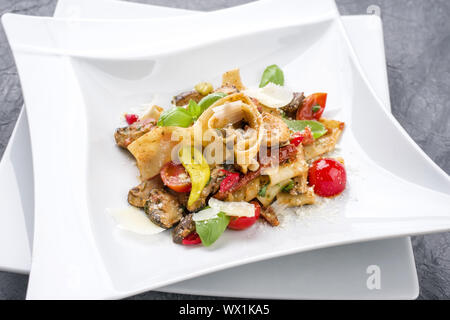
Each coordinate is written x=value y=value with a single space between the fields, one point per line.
x=77 y=250
x=336 y=277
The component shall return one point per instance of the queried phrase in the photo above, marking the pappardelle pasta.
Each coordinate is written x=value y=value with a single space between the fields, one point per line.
x=220 y=157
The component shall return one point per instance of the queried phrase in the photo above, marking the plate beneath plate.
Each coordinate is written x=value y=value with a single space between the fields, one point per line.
x=355 y=230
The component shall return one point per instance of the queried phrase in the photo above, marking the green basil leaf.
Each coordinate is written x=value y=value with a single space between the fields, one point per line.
x=289 y=186
x=207 y=101
x=194 y=109
x=316 y=127
x=272 y=74
x=210 y=230
x=177 y=117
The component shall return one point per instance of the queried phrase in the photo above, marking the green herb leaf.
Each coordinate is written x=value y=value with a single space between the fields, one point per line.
x=315 y=108
x=316 y=127
x=181 y=117
x=194 y=109
x=272 y=74
x=210 y=230
x=262 y=191
x=177 y=117
x=289 y=186
x=207 y=101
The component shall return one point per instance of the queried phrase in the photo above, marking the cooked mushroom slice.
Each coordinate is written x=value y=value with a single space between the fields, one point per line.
x=270 y=216
x=183 y=229
x=291 y=109
x=141 y=193
x=183 y=98
x=182 y=197
x=163 y=208
x=126 y=135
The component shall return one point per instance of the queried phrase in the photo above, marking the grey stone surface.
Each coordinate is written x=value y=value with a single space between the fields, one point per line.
x=417 y=39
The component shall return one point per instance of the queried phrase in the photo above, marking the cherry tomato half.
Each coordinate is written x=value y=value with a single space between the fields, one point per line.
x=131 y=118
x=312 y=107
x=192 y=238
x=328 y=177
x=175 y=177
x=241 y=223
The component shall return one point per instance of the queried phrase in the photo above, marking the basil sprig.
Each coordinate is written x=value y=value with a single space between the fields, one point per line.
x=177 y=117
x=272 y=74
x=210 y=230
x=316 y=127
x=194 y=109
x=181 y=117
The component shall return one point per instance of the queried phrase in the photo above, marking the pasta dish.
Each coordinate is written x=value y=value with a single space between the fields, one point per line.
x=220 y=157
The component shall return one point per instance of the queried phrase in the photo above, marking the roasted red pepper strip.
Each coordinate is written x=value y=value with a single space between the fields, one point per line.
x=231 y=178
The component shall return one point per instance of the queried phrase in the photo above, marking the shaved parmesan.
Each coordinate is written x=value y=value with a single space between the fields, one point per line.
x=205 y=214
x=134 y=220
x=236 y=209
x=272 y=95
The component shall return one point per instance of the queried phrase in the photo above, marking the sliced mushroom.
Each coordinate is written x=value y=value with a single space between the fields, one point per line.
x=270 y=216
x=141 y=193
x=183 y=98
x=183 y=229
x=291 y=109
x=126 y=135
x=163 y=208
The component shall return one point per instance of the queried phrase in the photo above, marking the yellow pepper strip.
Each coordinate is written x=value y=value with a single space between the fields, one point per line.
x=197 y=168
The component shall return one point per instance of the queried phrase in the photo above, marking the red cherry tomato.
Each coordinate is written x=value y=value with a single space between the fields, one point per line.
x=131 y=118
x=231 y=178
x=175 y=177
x=328 y=177
x=192 y=238
x=241 y=223
x=312 y=107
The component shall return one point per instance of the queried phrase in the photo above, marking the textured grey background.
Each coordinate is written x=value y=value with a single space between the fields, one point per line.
x=417 y=40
